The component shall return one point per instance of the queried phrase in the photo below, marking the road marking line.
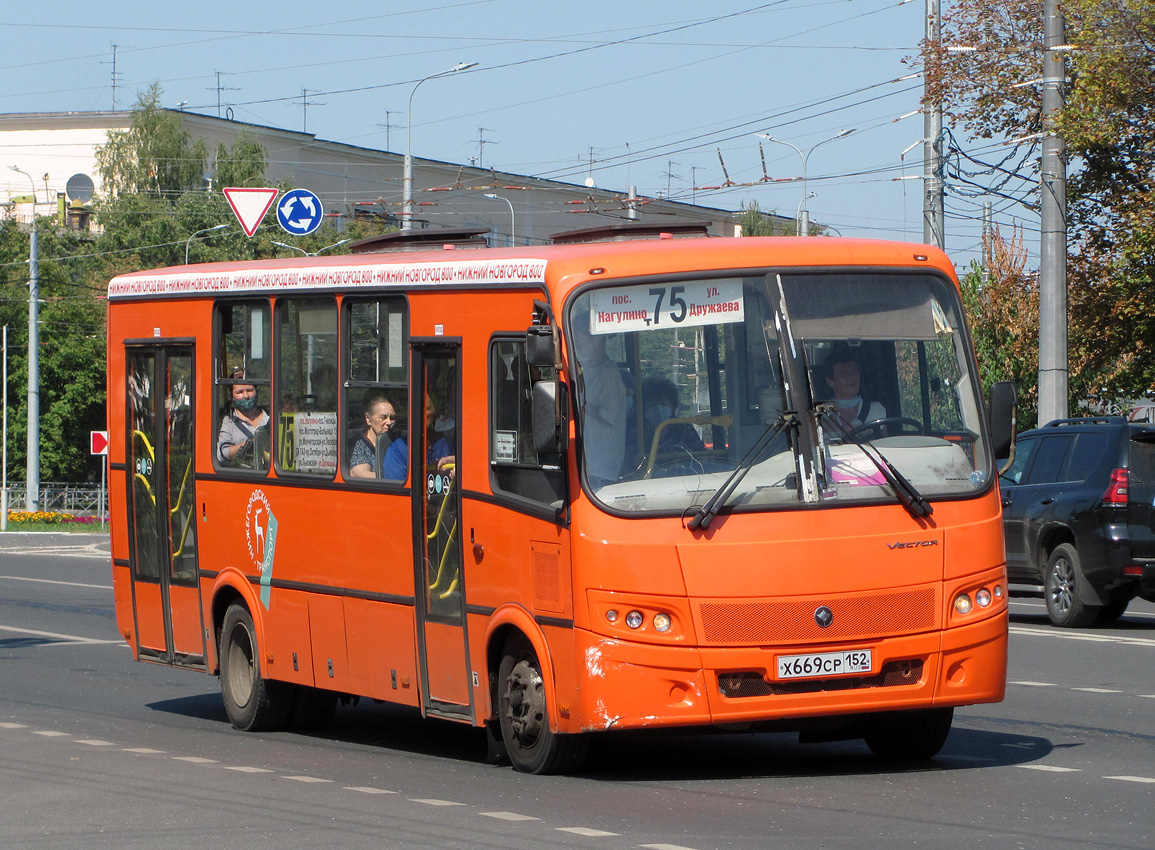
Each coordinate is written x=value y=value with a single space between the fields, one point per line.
x=51 y=734
x=364 y=789
x=51 y=581
x=93 y=743
x=430 y=802
x=1035 y=684
x=1098 y=690
x=66 y=638
x=588 y=833
x=195 y=760
x=305 y=778
x=665 y=847
x=12 y=726
x=245 y=769
x=1147 y=696
x=1051 y=633
x=1049 y=768
x=508 y=816
x=1146 y=779
x=147 y=751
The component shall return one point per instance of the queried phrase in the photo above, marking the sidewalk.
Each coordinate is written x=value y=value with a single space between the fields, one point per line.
x=54 y=540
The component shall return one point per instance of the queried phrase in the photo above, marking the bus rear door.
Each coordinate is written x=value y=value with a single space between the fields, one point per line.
x=166 y=600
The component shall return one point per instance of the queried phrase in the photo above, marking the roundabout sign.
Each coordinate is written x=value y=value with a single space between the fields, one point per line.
x=299 y=212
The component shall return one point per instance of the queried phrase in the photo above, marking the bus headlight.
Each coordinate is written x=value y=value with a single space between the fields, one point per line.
x=634 y=619
x=662 y=622
x=983 y=598
x=963 y=604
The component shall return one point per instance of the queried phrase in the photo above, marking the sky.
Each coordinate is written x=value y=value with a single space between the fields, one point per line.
x=666 y=95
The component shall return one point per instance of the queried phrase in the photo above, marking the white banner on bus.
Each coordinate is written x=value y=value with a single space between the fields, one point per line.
x=348 y=276
x=657 y=306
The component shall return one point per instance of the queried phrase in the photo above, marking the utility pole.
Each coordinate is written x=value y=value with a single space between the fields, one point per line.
x=1053 y=374
x=481 y=143
x=32 y=490
x=932 y=183
x=220 y=88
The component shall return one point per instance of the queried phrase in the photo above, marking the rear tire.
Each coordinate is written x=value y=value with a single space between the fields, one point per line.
x=524 y=715
x=253 y=703
x=1063 y=583
x=908 y=735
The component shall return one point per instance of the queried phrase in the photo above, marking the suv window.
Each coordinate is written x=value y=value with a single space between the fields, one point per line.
x=1089 y=451
x=1049 y=459
x=1023 y=452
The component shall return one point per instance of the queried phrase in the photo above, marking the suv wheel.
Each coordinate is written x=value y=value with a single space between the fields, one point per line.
x=1065 y=604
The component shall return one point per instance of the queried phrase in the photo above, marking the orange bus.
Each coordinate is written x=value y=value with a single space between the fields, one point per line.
x=611 y=483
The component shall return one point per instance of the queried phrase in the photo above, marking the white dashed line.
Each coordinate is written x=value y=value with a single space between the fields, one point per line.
x=1097 y=690
x=1083 y=636
x=508 y=816
x=48 y=734
x=145 y=751
x=364 y=789
x=195 y=760
x=305 y=778
x=60 y=640
x=665 y=847
x=1049 y=768
x=93 y=743
x=428 y=802
x=244 y=769
x=586 y=831
x=1034 y=684
x=1150 y=780
x=1147 y=696
x=12 y=726
x=51 y=581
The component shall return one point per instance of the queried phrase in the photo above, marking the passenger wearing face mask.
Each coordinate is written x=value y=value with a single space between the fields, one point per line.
x=243 y=440
x=660 y=400
x=845 y=382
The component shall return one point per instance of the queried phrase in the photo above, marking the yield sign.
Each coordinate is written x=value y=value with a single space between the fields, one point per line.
x=250 y=205
x=98 y=442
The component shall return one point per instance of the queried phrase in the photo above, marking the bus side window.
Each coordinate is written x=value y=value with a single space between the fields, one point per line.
x=515 y=467
x=306 y=386
x=243 y=377
x=376 y=360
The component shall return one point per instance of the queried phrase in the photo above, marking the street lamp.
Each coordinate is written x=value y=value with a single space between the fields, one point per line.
x=195 y=235
x=32 y=491
x=512 y=217
x=407 y=173
x=309 y=253
x=804 y=213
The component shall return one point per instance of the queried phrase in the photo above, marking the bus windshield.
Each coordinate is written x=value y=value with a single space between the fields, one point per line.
x=793 y=379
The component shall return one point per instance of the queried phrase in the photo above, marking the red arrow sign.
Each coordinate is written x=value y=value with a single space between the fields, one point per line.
x=250 y=205
x=98 y=442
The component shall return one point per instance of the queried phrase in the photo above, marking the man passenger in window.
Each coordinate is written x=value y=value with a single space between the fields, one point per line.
x=379 y=418
x=243 y=440
x=845 y=380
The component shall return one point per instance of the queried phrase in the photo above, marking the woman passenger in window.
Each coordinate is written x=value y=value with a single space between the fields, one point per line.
x=845 y=380
x=243 y=440
x=379 y=418
x=660 y=397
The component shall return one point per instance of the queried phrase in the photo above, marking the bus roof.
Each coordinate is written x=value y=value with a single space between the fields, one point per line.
x=560 y=265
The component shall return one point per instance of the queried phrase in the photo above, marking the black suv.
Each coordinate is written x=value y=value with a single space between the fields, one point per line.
x=1078 y=517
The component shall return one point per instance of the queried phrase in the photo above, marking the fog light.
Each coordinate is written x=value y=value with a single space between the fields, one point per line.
x=962 y=603
x=998 y=591
x=634 y=619
x=612 y=615
x=983 y=598
x=662 y=622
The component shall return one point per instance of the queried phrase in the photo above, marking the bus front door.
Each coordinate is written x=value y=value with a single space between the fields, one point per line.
x=435 y=447
x=166 y=600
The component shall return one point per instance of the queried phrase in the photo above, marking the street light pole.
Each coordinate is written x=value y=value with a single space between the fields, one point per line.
x=407 y=172
x=195 y=235
x=32 y=491
x=804 y=212
x=512 y=217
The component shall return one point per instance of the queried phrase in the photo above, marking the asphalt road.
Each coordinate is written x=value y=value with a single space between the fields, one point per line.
x=98 y=751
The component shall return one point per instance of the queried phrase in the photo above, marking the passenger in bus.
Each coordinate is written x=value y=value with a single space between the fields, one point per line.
x=380 y=416
x=845 y=380
x=603 y=405
x=243 y=440
x=438 y=455
x=660 y=397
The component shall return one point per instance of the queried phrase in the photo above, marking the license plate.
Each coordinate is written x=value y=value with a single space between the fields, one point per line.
x=824 y=664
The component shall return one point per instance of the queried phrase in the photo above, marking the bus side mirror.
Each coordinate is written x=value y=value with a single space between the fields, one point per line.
x=540 y=347
x=1002 y=417
x=549 y=423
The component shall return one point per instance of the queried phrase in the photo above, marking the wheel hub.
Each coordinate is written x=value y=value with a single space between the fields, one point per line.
x=525 y=702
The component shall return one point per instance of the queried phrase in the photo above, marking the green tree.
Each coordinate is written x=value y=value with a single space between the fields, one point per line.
x=1108 y=124
x=754 y=222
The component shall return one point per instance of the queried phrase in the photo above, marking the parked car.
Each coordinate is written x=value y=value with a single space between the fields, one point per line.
x=1078 y=517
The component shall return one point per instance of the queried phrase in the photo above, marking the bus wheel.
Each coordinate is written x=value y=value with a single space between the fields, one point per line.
x=252 y=702
x=908 y=735
x=524 y=717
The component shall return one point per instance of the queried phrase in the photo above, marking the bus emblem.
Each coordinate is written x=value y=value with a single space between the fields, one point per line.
x=823 y=617
x=257 y=515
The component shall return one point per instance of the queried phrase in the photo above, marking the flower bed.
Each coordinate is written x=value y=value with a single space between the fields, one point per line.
x=50 y=518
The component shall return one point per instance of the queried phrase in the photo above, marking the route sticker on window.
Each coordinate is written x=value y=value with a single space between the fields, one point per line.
x=505 y=445
x=658 y=306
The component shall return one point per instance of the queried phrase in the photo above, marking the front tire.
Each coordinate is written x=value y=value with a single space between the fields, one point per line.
x=252 y=702
x=1066 y=603
x=908 y=735
x=524 y=715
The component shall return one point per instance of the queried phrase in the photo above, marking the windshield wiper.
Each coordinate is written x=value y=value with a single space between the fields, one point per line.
x=708 y=511
x=914 y=502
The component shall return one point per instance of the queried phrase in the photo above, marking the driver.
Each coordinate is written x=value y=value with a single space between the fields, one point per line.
x=844 y=379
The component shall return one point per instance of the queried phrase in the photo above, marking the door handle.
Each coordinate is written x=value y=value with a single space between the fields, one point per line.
x=1047 y=501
